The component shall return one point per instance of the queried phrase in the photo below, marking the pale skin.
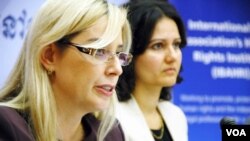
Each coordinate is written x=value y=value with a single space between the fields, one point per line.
x=78 y=81
x=156 y=68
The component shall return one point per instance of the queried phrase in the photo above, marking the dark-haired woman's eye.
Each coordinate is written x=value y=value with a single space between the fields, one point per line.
x=157 y=46
x=177 y=45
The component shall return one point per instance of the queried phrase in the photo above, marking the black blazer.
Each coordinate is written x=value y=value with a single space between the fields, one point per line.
x=14 y=127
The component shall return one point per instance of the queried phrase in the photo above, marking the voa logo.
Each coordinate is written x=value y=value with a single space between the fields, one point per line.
x=236 y=132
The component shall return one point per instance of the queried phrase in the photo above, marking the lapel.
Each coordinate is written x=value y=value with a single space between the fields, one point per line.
x=175 y=120
x=168 y=119
x=135 y=126
x=133 y=122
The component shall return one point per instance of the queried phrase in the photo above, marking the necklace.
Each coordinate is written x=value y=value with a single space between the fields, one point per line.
x=158 y=137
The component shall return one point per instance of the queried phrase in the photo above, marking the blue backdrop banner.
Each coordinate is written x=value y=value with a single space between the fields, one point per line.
x=216 y=65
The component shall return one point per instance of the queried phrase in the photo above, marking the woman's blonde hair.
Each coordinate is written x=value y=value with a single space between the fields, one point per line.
x=28 y=87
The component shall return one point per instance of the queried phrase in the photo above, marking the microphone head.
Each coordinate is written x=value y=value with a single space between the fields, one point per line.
x=247 y=122
x=227 y=121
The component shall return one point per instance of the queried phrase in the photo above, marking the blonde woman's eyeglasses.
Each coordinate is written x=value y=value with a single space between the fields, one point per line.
x=102 y=54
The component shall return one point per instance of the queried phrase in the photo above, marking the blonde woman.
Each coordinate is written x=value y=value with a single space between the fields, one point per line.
x=67 y=70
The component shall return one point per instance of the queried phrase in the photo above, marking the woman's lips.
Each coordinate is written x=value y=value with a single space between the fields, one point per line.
x=170 y=71
x=106 y=90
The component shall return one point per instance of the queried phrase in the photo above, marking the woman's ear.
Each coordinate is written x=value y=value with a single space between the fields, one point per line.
x=47 y=57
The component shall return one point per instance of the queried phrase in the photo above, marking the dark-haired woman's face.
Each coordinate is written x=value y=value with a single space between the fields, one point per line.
x=160 y=63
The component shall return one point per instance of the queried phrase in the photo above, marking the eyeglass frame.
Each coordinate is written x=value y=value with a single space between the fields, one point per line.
x=92 y=52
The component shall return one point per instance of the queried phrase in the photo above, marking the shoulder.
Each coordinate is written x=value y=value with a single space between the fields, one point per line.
x=13 y=126
x=116 y=134
x=10 y=116
x=127 y=106
x=92 y=124
x=126 y=110
x=7 y=112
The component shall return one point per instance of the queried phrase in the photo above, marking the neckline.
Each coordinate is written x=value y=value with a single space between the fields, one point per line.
x=158 y=133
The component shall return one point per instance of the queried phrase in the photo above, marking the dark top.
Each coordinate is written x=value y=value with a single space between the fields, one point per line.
x=91 y=125
x=14 y=127
x=166 y=135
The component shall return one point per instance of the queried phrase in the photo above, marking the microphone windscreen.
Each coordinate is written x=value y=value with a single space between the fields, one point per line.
x=227 y=121
x=247 y=122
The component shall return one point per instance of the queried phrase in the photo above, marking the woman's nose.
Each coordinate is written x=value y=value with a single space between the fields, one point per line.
x=171 y=53
x=114 y=66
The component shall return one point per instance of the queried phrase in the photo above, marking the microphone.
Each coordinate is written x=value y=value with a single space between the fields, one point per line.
x=247 y=122
x=227 y=121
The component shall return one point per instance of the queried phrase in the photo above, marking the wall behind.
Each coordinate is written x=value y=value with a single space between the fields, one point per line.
x=216 y=65
x=15 y=17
